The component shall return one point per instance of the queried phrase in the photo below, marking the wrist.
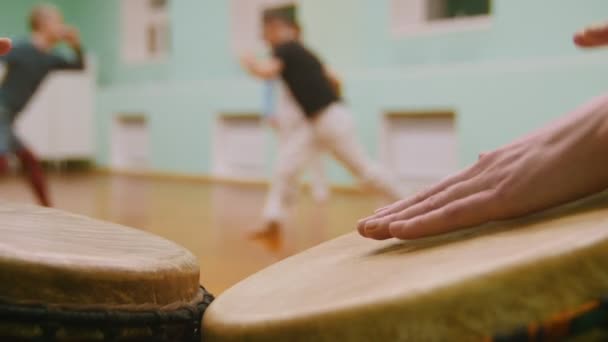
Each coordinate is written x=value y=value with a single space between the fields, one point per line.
x=598 y=120
x=602 y=132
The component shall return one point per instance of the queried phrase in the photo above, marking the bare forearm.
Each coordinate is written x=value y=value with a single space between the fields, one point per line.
x=79 y=63
x=5 y=46
x=259 y=71
x=72 y=38
x=255 y=71
x=267 y=69
x=590 y=115
x=588 y=120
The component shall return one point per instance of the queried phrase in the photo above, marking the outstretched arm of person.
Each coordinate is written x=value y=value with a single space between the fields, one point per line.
x=265 y=69
x=559 y=164
x=334 y=79
x=71 y=36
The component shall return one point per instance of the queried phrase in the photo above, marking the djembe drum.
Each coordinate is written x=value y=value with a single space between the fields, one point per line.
x=65 y=277
x=538 y=278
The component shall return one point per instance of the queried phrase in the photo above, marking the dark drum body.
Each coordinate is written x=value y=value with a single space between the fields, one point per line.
x=43 y=323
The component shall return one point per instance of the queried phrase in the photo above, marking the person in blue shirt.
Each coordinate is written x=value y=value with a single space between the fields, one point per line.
x=27 y=64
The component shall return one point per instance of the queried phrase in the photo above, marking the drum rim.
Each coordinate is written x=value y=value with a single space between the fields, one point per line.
x=52 y=318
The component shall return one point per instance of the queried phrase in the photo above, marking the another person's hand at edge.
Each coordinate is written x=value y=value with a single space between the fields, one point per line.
x=592 y=36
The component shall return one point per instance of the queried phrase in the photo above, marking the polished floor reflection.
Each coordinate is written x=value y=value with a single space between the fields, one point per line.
x=211 y=220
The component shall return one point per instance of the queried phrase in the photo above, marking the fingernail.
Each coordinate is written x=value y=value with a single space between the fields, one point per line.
x=361 y=227
x=369 y=218
x=371 y=226
x=371 y=222
x=369 y=230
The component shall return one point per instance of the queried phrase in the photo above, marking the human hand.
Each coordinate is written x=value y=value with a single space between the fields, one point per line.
x=71 y=36
x=247 y=59
x=592 y=36
x=562 y=163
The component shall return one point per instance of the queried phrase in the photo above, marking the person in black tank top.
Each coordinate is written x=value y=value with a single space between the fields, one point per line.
x=328 y=125
x=288 y=116
x=306 y=78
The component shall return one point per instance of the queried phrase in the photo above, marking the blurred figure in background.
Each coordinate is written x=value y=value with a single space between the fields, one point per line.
x=27 y=64
x=329 y=125
x=563 y=162
x=285 y=116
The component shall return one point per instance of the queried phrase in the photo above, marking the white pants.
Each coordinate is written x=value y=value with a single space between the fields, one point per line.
x=332 y=131
x=290 y=118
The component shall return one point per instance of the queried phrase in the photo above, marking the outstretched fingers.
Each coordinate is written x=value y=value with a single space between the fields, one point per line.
x=592 y=36
x=466 y=212
x=379 y=228
x=420 y=197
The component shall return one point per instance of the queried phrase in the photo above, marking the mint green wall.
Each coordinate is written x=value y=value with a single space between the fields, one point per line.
x=14 y=12
x=502 y=81
x=520 y=29
x=100 y=25
x=14 y=15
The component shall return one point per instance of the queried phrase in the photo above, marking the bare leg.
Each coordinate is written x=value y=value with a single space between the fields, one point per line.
x=291 y=118
x=318 y=181
x=5 y=45
x=3 y=165
x=35 y=174
x=336 y=130
x=294 y=153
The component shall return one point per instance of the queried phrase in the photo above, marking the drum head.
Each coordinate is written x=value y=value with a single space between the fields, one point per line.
x=460 y=287
x=57 y=259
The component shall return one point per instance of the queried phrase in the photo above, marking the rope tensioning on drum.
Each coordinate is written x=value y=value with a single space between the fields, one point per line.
x=590 y=317
x=109 y=323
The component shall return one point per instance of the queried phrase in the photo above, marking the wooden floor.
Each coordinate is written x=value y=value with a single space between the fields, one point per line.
x=211 y=220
